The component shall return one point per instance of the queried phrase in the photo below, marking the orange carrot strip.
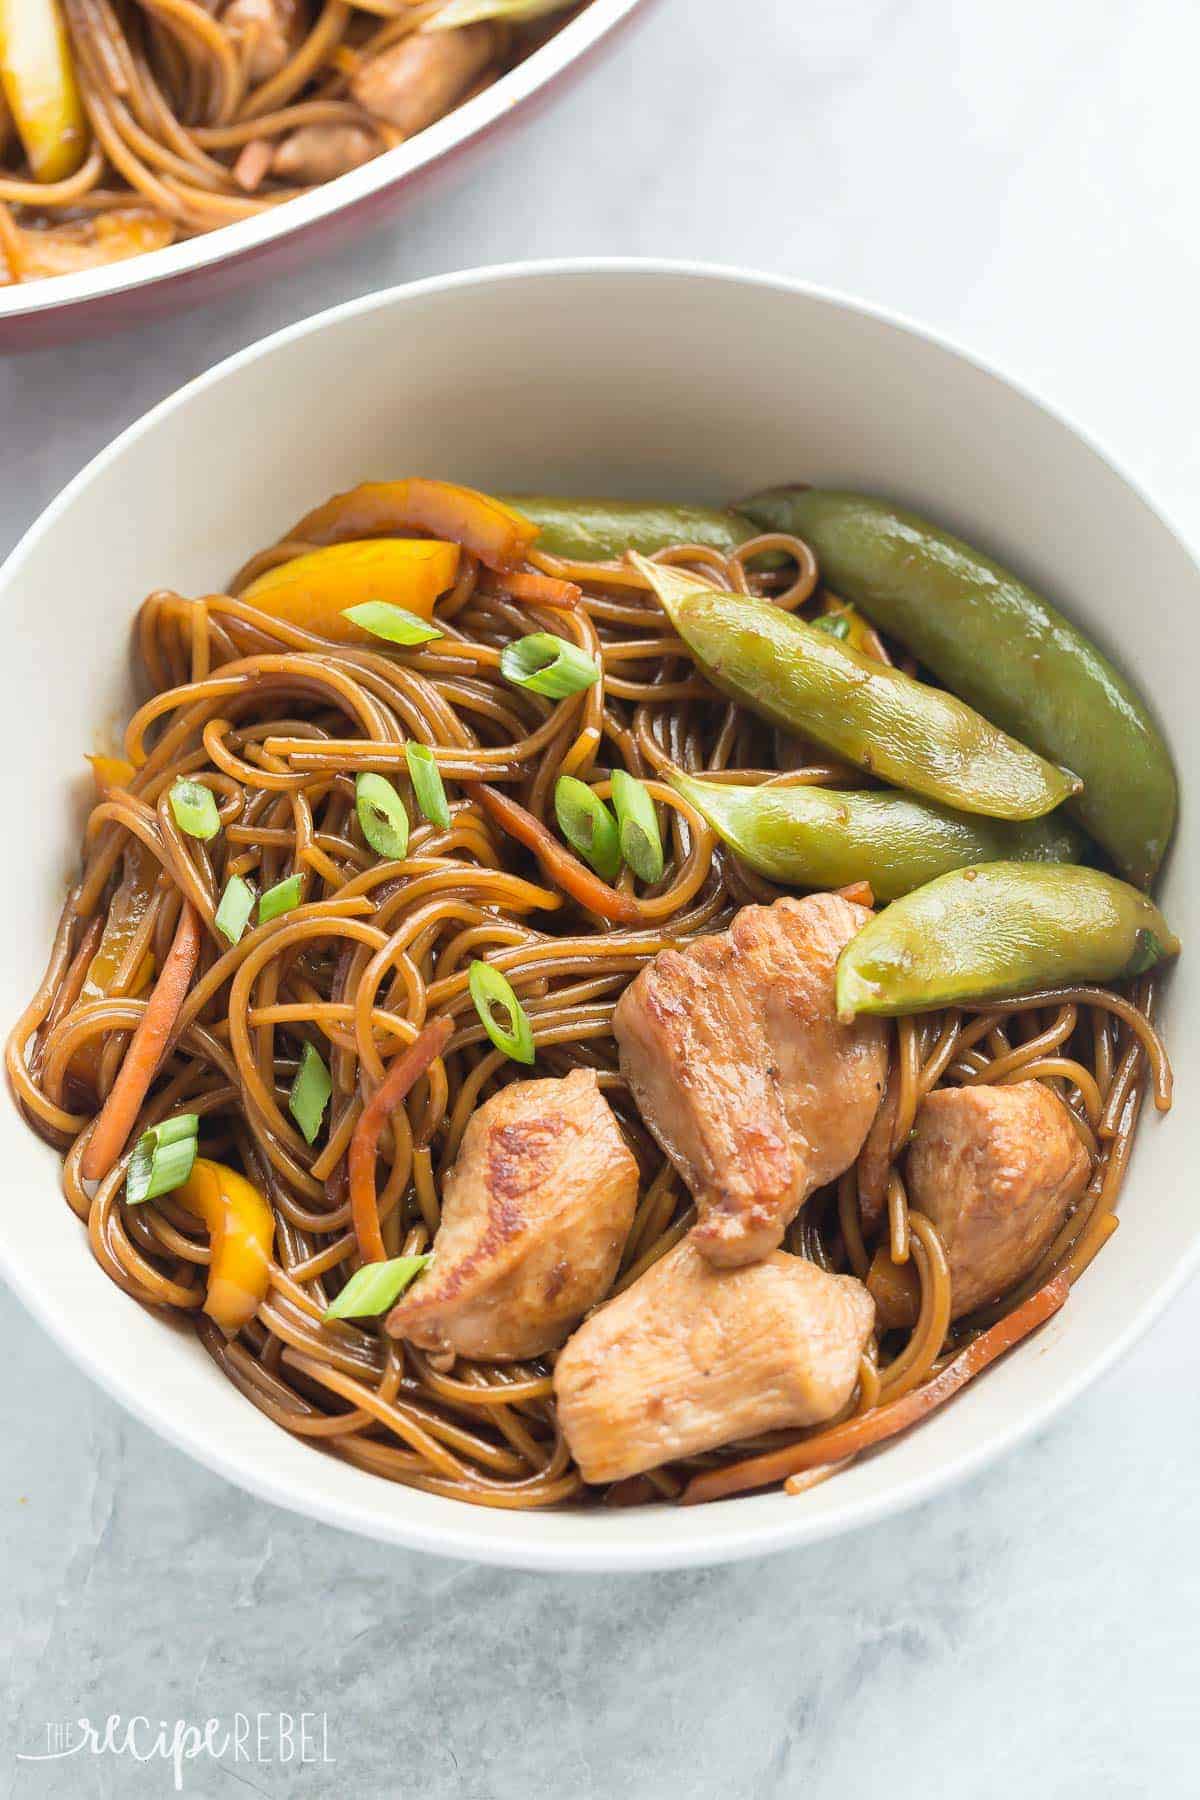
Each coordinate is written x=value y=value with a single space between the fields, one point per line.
x=145 y=1051
x=404 y=1071
x=861 y=892
x=874 y=1427
x=572 y=875
x=543 y=590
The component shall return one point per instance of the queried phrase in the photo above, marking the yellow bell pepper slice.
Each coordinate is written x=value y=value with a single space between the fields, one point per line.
x=494 y=532
x=126 y=912
x=39 y=85
x=844 y=621
x=313 y=591
x=241 y=1236
x=111 y=771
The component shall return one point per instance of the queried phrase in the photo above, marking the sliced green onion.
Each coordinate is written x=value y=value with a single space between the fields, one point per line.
x=641 y=844
x=549 y=665
x=237 y=903
x=383 y=620
x=280 y=899
x=310 y=1093
x=374 y=1287
x=162 y=1158
x=837 y=624
x=489 y=990
x=195 y=808
x=456 y=13
x=382 y=816
x=587 y=825
x=427 y=783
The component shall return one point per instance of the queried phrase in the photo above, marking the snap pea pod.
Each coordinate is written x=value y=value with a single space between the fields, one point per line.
x=793 y=674
x=996 y=931
x=1004 y=649
x=601 y=530
x=821 y=838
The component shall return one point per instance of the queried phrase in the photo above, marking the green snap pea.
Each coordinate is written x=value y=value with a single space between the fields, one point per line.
x=797 y=676
x=601 y=530
x=1001 y=647
x=996 y=931
x=816 y=837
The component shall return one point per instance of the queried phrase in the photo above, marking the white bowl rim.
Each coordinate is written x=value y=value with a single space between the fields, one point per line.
x=727 y=1540
x=456 y=130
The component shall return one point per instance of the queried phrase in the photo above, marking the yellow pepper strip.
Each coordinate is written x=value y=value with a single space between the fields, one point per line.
x=111 y=772
x=848 y=624
x=494 y=532
x=313 y=591
x=39 y=85
x=241 y=1234
x=125 y=914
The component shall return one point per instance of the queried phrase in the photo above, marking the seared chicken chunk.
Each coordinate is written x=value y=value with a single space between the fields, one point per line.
x=316 y=153
x=691 y=1357
x=734 y=1054
x=996 y=1169
x=535 y=1213
x=268 y=30
x=412 y=83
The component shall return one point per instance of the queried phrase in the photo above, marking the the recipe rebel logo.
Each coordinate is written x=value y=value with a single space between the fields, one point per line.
x=264 y=1737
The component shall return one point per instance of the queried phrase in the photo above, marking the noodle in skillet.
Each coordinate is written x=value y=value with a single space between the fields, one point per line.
x=278 y=722
x=163 y=119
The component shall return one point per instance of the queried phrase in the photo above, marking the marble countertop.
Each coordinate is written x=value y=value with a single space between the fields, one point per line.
x=1021 y=176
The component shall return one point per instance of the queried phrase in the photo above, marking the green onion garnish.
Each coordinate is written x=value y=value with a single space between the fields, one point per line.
x=382 y=816
x=641 y=844
x=489 y=990
x=162 y=1158
x=237 y=903
x=837 y=624
x=587 y=825
x=548 y=665
x=383 y=620
x=310 y=1093
x=280 y=899
x=427 y=783
x=195 y=808
x=374 y=1287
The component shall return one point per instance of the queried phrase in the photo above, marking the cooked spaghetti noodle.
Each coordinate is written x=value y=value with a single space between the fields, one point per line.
x=175 y=117
x=278 y=722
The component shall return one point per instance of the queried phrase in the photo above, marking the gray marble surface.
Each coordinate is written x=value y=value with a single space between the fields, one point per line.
x=1021 y=175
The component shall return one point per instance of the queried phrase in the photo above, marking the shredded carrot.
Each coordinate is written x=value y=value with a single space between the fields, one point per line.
x=543 y=590
x=558 y=862
x=404 y=1071
x=146 y=1047
x=807 y=1479
x=858 y=1434
x=861 y=892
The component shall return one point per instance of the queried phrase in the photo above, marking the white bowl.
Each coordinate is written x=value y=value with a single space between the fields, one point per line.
x=633 y=379
x=114 y=296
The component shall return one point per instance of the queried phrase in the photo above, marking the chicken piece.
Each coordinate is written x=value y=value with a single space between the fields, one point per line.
x=535 y=1213
x=996 y=1169
x=691 y=1357
x=76 y=244
x=269 y=30
x=734 y=1054
x=412 y=83
x=316 y=153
